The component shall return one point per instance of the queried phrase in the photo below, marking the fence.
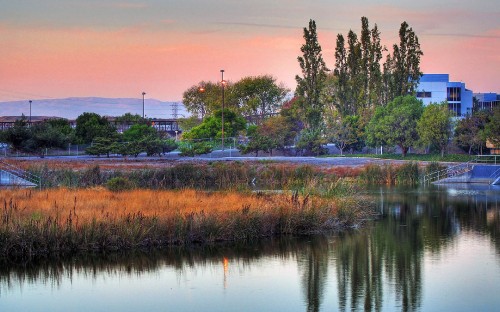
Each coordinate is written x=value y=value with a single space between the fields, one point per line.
x=71 y=150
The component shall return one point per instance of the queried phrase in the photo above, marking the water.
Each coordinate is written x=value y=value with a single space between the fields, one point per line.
x=432 y=250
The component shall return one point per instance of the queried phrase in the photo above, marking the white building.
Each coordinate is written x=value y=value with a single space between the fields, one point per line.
x=437 y=88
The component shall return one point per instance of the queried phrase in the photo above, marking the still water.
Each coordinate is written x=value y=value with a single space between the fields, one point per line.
x=434 y=249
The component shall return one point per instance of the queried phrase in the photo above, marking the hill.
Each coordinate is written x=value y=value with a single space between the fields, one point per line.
x=73 y=107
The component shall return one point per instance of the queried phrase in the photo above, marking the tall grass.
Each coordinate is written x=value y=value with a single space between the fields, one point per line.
x=62 y=221
x=212 y=176
x=389 y=174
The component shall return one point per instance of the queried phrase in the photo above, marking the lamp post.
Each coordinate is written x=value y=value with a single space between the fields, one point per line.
x=143 y=94
x=30 y=110
x=201 y=90
x=223 y=83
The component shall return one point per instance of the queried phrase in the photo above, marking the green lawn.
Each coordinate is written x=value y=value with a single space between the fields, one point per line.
x=416 y=157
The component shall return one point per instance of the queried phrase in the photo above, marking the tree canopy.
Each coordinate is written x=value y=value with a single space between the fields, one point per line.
x=396 y=123
x=435 y=126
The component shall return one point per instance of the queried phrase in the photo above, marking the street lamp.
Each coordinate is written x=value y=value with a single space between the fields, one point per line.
x=223 y=83
x=143 y=94
x=30 y=110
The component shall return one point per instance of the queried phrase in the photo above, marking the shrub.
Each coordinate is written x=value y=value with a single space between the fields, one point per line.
x=119 y=184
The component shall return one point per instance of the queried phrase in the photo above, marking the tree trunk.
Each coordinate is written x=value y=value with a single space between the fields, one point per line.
x=404 y=150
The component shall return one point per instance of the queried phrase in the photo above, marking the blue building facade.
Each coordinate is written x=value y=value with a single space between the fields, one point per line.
x=437 y=88
x=487 y=101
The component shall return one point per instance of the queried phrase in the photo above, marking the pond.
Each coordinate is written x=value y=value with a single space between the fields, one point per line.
x=432 y=249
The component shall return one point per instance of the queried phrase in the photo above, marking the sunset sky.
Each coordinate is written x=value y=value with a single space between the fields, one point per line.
x=66 y=48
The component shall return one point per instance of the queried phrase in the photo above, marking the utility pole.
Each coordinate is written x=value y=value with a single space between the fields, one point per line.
x=30 y=111
x=223 y=84
x=143 y=94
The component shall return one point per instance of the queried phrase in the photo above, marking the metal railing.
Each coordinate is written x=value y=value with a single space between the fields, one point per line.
x=448 y=172
x=20 y=173
x=488 y=159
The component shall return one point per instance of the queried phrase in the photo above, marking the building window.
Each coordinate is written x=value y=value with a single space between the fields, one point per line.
x=454 y=94
x=456 y=108
x=424 y=94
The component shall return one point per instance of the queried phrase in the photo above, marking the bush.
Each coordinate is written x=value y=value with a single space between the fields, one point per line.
x=193 y=149
x=119 y=184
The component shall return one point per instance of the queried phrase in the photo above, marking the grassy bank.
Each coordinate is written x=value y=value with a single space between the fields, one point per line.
x=65 y=222
x=234 y=176
x=415 y=157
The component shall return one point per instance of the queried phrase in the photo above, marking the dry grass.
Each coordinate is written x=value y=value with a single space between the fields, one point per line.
x=99 y=203
x=62 y=221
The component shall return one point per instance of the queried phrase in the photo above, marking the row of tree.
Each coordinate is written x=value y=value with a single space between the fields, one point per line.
x=361 y=102
x=91 y=129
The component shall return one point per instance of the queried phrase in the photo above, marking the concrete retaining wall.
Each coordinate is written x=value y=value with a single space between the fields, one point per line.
x=479 y=174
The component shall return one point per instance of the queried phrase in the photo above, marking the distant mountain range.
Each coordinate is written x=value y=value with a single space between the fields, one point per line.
x=73 y=107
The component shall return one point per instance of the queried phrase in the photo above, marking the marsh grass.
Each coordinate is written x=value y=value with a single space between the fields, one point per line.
x=61 y=221
x=389 y=174
x=205 y=176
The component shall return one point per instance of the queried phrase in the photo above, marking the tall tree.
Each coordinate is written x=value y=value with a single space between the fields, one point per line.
x=375 y=81
x=435 y=126
x=314 y=70
x=354 y=61
x=339 y=97
x=358 y=71
x=405 y=66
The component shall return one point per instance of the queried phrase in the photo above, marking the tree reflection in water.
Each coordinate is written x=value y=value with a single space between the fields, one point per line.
x=313 y=264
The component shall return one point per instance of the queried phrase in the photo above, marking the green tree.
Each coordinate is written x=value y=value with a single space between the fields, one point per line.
x=138 y=132
x=435 y=126
x=340 y=86
x=101 y=146
x=469 y=132
x=357 y=69
x=259 y=96
x=92 y=125
x=205 y=98
x=129 y=119
x=211 y=127
x=342 y=132
x=396 y=123
x=17 y=134
x=310 y=85
x=39 y=136
x=275 y=133
x=189 y=123
x=404 y=65
x=311 y=141
x=45 y=136
x=492 y=128
x=192 y=149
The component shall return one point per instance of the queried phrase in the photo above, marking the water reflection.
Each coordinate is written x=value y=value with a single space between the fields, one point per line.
x=382 y=267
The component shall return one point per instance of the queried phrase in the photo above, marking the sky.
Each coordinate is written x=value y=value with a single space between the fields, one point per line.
x=73 y=48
